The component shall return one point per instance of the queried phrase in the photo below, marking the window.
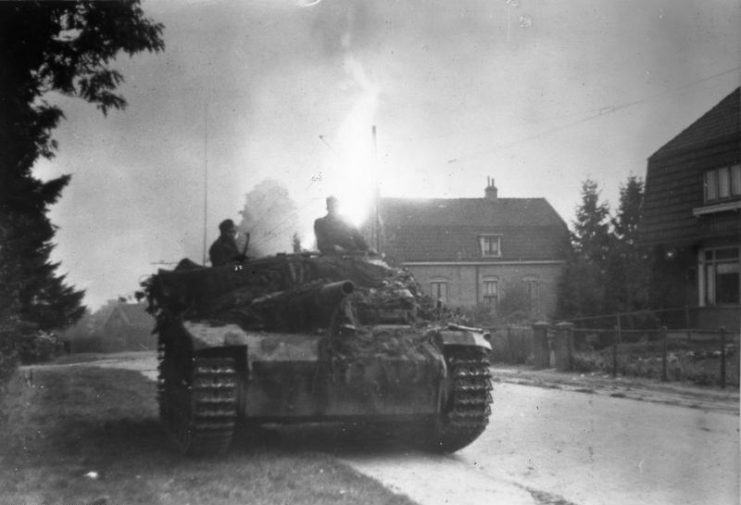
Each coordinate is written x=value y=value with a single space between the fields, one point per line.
x=736 y=180
x=490 y=292
x=723 y=183
x=711 y=186
x=490 y=245
x=721 y=276
x=439 y=290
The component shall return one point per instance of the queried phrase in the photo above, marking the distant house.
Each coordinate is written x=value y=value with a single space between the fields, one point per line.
x=692 y=218
x=128 y=326
x=471 y=251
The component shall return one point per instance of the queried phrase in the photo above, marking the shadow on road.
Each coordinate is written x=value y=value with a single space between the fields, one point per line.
x=338 y=439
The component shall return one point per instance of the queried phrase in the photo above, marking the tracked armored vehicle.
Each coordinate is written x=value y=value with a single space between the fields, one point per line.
x=310 y=338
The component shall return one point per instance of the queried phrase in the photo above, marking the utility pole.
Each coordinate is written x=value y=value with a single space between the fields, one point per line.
x=376 y=195
x=205 y=178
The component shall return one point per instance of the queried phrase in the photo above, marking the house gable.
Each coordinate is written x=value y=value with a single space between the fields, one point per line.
x=719 y=123
x=132 y=316
x=674 y=195
x=465 y=252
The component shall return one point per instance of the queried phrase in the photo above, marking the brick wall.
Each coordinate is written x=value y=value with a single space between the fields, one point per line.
x=465 y=282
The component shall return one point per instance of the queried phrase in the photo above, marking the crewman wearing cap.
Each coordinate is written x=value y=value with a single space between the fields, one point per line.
x=224 y=250
x=334 y=235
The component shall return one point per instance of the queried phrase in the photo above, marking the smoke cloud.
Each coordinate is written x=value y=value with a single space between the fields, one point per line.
x=270 y=217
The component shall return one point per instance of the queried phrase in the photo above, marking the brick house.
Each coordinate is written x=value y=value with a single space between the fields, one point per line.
x=692 y=218
x=471 y=251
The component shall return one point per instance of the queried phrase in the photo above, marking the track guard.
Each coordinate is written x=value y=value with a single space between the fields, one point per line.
x=464 y=336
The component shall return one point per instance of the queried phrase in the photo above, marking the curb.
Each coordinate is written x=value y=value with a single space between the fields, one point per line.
x=726 y=401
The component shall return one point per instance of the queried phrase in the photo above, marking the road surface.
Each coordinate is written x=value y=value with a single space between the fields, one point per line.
x=587 y=449
x=562 y=447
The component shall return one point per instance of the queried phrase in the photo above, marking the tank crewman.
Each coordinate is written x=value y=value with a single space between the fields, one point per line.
x=335 y=235
x=224 y=250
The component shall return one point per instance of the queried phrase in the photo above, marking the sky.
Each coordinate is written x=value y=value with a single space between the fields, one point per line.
x=538 y=94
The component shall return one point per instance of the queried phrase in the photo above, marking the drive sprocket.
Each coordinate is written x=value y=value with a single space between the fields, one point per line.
x=198 y=400
x=467 y=400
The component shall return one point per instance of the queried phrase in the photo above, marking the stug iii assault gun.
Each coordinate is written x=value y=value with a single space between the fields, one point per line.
x=307 y=338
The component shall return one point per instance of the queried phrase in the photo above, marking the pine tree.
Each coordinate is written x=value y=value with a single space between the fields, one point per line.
x=581 y=289
x=64 y=47
x=628 y=266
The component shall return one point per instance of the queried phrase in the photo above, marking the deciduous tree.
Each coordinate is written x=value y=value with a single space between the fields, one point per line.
x=65 y=47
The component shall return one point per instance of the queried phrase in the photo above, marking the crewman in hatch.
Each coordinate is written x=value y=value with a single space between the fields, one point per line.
x=334 y=235
x=224 y=250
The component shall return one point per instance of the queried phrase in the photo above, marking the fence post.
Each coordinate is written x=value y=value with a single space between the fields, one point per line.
x=510 y=350
x=564 y=351
x=723 y=357
x=664 y=376
x=687 y=322
x=541 y=351
x=614 y=354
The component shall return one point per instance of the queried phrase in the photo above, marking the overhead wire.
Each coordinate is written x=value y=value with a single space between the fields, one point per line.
x=603 y=111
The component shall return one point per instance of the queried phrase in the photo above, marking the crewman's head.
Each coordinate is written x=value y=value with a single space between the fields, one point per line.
x=226 y=227
x=333 y=205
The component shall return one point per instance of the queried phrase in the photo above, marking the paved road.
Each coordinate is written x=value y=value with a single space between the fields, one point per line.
x=586 y=448
x=561 y=447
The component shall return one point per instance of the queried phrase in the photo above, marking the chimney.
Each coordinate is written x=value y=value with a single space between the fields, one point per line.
x=490 y=193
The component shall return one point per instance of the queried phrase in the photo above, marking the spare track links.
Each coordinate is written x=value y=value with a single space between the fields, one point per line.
x=468 y=406
x=198 y=400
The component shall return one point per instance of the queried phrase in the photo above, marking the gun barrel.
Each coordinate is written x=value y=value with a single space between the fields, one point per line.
x=331 y=294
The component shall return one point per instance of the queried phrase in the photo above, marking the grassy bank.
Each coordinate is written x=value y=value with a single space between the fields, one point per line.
x=73 y=435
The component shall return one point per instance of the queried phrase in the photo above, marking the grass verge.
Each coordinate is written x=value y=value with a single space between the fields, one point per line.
x=58 y=425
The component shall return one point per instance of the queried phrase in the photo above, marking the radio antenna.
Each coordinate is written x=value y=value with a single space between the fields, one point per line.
x=205 y=179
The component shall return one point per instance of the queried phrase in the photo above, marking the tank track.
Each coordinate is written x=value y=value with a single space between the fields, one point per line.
x=467 y=408
x=198 y=400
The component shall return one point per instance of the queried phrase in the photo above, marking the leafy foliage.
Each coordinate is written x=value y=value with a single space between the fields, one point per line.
x=63 y=47
x=515 y=305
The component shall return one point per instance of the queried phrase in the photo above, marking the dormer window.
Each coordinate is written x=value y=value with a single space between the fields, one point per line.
x=491 y=246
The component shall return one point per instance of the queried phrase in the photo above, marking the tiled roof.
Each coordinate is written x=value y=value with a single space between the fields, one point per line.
x=449 y=229
x=134 y=315
x=470 y=211
x=723 y=120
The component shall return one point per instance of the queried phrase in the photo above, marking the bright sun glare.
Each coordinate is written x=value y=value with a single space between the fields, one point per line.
x=355 y=166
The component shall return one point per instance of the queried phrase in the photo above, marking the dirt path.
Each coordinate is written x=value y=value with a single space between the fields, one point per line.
x=140 y=361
